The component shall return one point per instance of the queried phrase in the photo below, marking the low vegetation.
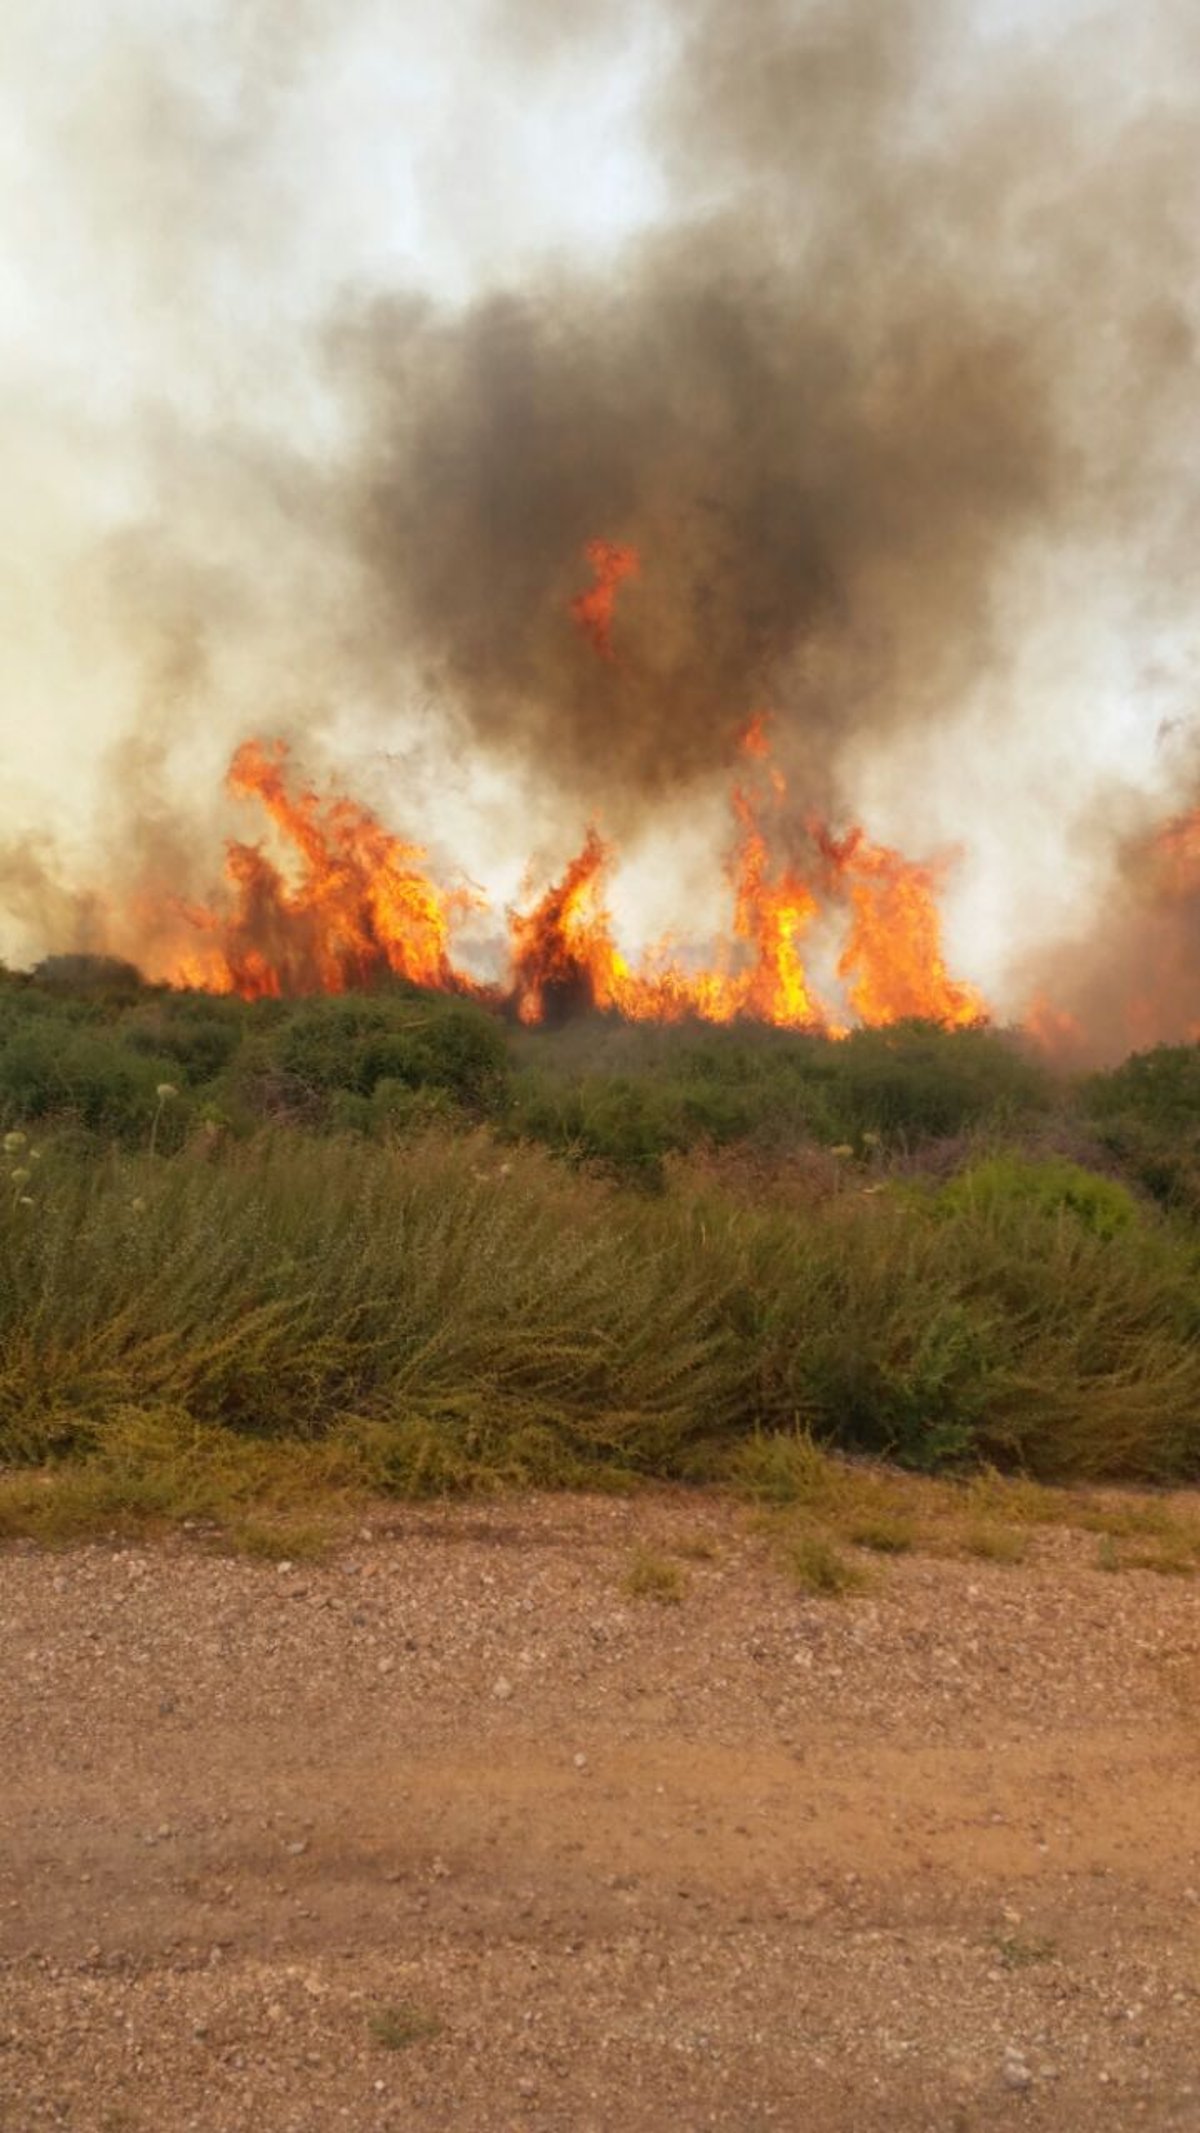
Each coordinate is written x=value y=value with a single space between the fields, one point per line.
x=259 y=1258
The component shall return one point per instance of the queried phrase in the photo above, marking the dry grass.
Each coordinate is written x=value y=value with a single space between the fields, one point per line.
x=805 y=1495
x=651 y=1576
x=819 y=1567
x=276 y=1497
x=882 y=1534
x=996 y=1543
x=396 y=2028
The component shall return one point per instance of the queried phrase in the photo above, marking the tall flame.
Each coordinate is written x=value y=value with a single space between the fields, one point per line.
x=360 y=904
x=892 y=962
x=564 y=950
x=351 y=903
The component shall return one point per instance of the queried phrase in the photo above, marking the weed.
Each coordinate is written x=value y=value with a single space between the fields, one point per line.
x=1022 y=1951
x=996 y=1544
x=1167 y=1562
x=696 y=1548
x=398 y=2027
x=653 y=1577
x=883 y=1535
x=817 y=1567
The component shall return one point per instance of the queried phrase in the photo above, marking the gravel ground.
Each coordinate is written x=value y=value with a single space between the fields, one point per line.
x=450 y=1832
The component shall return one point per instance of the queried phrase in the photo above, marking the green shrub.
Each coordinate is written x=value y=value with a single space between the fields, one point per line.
x=1147 y=1115
x=354 y=1044
x=50 y=1070
x=1051 y=1187
x=472 y=1314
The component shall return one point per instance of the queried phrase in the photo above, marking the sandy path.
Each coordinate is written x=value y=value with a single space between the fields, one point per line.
x=452 y=1833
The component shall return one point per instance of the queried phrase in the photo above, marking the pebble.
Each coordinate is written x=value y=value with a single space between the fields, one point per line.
x=1016 y=2074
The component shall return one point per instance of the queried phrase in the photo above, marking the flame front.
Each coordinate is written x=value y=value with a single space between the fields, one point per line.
x=892 y=964
x=352 y=903
x=359 y=907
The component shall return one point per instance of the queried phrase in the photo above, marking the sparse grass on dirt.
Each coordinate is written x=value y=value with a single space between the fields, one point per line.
x=817 y=1566
x=1022 y=1951
x=651 y=1576
x=882 y=1535
x=996 y=1543
x=396 y=2028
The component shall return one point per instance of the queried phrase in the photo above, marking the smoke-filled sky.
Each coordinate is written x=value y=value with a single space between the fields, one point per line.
x=330 y=334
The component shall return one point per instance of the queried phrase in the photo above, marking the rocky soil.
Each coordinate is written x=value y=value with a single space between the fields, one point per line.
x=453 y=1832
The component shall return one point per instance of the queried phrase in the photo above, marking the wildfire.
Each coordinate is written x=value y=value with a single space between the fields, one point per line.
x=347 y=902
x=594 y=610
x=1176 y=852
x=357 y=907
x=892 y=963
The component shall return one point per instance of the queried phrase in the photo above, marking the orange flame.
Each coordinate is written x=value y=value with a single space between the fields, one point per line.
x=359 y=907
x=564 y=953
x=892 y=962
x=594 y=610
x=353 y=903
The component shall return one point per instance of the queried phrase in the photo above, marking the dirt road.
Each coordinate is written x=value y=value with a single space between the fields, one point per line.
x=451 y=1832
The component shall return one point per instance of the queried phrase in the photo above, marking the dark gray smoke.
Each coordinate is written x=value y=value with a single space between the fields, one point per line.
x=919 y=306
x=915 y=317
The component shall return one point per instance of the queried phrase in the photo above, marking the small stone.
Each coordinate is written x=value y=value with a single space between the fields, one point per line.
x=300 y=1846
x=1017 y=2074
x=581 y=1762
x=502 y=1689
x=283 y=1568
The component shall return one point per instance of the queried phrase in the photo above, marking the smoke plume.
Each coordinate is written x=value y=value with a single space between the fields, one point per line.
x=910 y=315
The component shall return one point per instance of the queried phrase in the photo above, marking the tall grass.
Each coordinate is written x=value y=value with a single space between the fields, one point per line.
x=443 y=1312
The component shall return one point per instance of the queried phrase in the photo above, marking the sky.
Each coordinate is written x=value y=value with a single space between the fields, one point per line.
x=201 y=202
